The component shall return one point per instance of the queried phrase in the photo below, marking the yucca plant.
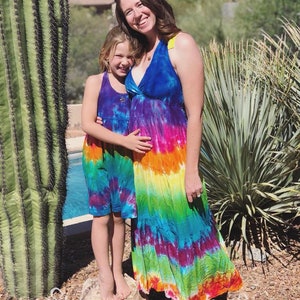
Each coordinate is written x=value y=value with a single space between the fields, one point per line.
x=33 y=155
x=282 y=73
x=247 y=160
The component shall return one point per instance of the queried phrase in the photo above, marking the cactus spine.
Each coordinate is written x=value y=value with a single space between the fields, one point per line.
x=33 y=155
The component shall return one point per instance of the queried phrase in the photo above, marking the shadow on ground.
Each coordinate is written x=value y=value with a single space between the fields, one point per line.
x=77 y=254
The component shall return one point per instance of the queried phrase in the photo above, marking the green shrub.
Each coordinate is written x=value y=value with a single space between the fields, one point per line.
x=251 y=142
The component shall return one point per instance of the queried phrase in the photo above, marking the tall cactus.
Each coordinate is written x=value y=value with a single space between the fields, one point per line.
x=33 y=154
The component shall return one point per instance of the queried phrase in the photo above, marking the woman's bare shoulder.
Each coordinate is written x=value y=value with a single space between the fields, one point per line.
x=185 y=51
x=184 y=41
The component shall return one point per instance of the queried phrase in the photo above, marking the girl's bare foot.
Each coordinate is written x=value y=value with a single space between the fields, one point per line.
x=122 y=288
x=106 y=286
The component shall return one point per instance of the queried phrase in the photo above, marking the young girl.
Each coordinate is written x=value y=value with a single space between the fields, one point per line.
x=107 y=164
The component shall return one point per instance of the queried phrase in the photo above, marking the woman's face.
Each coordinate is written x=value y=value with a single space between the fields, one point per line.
x=138 y=16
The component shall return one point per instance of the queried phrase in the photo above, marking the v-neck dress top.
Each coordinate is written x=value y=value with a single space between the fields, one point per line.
x=177 y=247
x=108 y=168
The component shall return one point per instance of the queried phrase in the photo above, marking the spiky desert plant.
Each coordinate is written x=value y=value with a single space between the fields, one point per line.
x=247 y=159
x=33 y=155
x=281 y=72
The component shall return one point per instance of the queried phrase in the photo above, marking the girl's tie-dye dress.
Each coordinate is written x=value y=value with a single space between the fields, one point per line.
x=177 y=248
x=108 y=168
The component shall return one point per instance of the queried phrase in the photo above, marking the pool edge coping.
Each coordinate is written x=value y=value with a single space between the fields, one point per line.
x=77 y=225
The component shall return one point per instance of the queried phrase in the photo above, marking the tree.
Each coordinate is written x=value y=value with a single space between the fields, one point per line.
x=87 y=33
x=252 y=17
x=201 y=18
x=33 y=154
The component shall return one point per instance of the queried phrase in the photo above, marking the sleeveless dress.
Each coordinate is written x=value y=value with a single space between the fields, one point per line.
x=177 y=247
x=108 y=169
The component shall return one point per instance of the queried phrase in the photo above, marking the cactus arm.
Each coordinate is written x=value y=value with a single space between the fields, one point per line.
x=33 y=155
x=12 y=214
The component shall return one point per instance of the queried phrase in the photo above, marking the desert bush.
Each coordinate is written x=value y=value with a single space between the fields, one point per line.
x=251 y=140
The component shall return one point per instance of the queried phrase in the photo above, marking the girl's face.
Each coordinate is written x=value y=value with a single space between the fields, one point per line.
x=120 y=60
x=138 y=16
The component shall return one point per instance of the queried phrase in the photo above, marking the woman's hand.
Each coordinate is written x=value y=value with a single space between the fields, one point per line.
x=193 y=186
x=139 y=144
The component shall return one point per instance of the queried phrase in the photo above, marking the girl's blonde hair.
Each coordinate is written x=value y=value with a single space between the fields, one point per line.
x=114 y=37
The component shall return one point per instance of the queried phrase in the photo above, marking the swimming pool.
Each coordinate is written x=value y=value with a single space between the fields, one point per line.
x=76 y=203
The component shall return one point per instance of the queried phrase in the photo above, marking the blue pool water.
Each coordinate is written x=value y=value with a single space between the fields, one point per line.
x=76 y=203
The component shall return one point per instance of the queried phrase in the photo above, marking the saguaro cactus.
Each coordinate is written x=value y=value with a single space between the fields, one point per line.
x=33 y=155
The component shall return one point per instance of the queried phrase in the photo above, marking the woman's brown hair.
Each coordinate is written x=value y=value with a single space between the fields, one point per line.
x=165 y=22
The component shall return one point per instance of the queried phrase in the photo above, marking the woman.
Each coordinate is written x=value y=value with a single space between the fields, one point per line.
x=177 y=248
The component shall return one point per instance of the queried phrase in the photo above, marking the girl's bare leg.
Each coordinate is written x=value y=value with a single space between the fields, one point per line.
x=118 y=242
x=100 y=242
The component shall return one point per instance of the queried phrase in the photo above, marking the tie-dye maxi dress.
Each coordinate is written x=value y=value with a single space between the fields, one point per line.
x=177 y=248
x=108 y=169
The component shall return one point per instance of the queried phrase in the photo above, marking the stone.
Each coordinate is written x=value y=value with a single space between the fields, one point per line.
x=90 y=289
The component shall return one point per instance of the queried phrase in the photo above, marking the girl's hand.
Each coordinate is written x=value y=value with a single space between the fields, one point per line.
x=99 y=120
x=139 y=144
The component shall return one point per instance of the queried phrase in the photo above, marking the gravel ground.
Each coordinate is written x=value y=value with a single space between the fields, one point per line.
x=276 y=279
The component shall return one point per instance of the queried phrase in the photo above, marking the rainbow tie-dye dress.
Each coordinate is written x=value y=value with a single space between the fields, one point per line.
x=177 y=248
x=108 y=169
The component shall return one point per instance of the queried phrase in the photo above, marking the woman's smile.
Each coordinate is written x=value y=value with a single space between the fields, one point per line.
x=138 y=16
